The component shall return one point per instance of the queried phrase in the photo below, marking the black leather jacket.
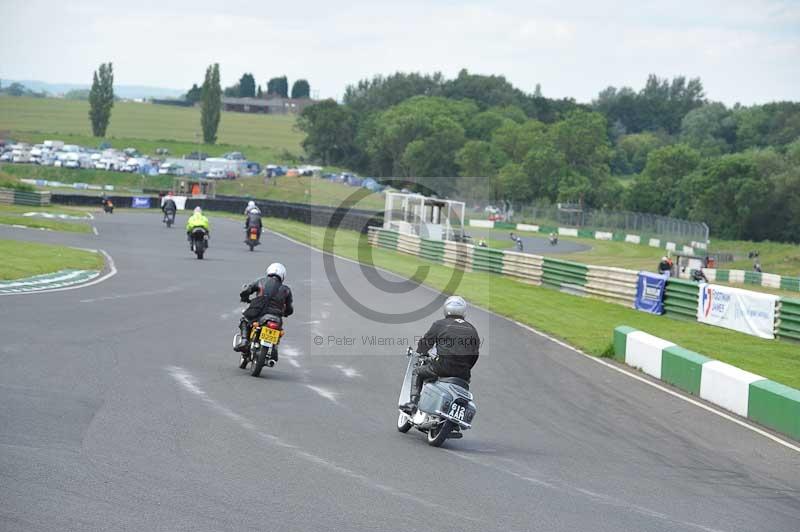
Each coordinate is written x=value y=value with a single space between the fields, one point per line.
x=272 y=297
x=457 y=344
x=253 y=220
x=169 y=206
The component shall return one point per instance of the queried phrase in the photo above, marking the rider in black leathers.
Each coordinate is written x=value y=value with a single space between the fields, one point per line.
x=169 y=208
x=457 y=344
x=273 y=297
x=253 y=220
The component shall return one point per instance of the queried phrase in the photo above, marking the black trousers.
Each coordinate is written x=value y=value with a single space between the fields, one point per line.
x=421 y=374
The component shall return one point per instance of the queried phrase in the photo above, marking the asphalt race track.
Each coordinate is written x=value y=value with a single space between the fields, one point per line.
x=538 y=245
x=122 y=407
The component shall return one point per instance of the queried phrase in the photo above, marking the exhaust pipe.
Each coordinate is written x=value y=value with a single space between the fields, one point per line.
x=270 y=363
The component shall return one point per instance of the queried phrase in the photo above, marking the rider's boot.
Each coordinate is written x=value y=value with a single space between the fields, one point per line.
x=244 y=339
x=410 y=406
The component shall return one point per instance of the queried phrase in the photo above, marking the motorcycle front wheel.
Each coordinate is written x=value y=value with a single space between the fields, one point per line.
x=403 y=423
x=439 y=433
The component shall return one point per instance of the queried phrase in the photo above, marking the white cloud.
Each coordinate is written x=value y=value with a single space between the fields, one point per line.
x=743 y=50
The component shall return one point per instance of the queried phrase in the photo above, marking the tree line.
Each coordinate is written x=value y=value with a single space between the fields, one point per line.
x=664 y=149
x=246 y=88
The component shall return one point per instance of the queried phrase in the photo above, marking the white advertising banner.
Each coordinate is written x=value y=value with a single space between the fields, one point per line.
x=737 y=309
x=180 y=201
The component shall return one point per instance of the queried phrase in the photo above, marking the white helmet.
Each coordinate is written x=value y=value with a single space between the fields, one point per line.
x=277 y=269
x=251 y=204
x=455 y=306
x=198 y=210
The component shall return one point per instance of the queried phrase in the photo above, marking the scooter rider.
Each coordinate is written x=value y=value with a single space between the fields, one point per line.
x=198 y=219
x=273 y=297
x=457 y=344
x=253 y=220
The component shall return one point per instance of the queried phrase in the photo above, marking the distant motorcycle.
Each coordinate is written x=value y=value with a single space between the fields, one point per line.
x=445 y=405
x=262 y=346
x=199 y=239
x=553 y=240
x=252 y=239
x=169 y=218
x=108 y=206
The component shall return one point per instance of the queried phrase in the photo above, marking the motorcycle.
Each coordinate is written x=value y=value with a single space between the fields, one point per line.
x=262 y=345
x=108 y=206
x=199 y=239
x=445 y=406
x=553 y=240
x=252 y=238
x=169 y=218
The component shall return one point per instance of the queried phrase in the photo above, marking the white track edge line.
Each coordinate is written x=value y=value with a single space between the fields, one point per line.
x=599 y=360
x=111 y=273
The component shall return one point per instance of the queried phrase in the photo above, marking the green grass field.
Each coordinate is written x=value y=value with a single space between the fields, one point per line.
x=583 y=322
x=25 y=259
x=56 y=117
x=13 y=215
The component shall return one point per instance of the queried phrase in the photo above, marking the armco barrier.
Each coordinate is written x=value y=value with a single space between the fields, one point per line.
x=788 y=318
x=523 y=267
x=562 y=274
x=680 y=298
x=458 y=255
x=769 y=280
x=487 y=260
x=749 y=395
x=432 y=250
x=24 y=197
x=612 y=284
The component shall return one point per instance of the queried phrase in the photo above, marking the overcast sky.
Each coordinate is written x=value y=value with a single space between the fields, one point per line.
x=745 y=51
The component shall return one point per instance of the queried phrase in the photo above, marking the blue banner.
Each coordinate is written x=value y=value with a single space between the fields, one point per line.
x=650 y=292
x=139 y=202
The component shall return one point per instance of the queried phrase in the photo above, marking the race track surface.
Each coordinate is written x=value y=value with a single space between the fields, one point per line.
x=123 y=408
x=537 y=245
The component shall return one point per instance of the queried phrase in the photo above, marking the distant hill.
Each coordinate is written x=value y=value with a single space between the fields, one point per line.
x=122 y=91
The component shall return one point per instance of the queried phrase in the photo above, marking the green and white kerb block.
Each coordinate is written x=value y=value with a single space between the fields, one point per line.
x=749 y=395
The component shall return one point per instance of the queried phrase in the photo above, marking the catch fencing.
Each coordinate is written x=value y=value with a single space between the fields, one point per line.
x=592 y=220
x=615 y=285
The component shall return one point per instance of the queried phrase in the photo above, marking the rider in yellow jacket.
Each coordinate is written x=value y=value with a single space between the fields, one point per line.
x=197 y=219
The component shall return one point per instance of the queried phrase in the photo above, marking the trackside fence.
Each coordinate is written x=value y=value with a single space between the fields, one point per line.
x=615 y=285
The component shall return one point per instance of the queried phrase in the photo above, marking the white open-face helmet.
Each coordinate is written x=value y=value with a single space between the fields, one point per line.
x=277 y=269
x=251 y=204
x=455 y=306
x=198 y=210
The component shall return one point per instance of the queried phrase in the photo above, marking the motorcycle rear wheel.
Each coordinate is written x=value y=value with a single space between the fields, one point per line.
x=258 y=362
x=437 y=435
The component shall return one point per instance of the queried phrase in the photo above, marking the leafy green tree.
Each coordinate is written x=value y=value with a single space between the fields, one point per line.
x=545 y=167
x=477 y=159
x=516 y=140
x=211 y=106
x=514 y=183
x=630 y=154
x=581 y=137
x=232 y=92
x=259 y=92
x=330 y=132
x=278 y=87
x=711 y=129
x=483 y=125
x=381 y=93
x=434 y=154
x=101 y=99
x=301 y=89
x=194 y=94
x=247 y=86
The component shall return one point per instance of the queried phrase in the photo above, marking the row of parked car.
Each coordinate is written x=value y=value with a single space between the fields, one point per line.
x=58 y=154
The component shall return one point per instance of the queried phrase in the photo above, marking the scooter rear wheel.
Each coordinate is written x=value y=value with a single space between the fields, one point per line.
x=437 y=435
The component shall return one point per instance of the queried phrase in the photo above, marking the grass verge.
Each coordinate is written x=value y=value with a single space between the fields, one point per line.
x=25 y=259
x=13 y=215
x=583 y=322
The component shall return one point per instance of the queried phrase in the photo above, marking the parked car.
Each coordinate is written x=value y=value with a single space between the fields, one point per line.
x=235 y=156
x=170 y=169
x=216 y=173
x=197 y=156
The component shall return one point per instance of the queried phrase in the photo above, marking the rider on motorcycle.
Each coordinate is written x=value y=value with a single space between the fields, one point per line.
x=457 y=344
x=169 y=208
x=273 y=297
x=253 y=220
x=198 y=219
x=250 y=206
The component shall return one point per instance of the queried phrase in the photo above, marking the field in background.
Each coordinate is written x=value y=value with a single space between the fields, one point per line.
x=56 y=117
x=25 y=259
x=583 y=322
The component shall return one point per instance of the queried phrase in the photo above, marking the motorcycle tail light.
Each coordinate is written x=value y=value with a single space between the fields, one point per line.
x=273 y=325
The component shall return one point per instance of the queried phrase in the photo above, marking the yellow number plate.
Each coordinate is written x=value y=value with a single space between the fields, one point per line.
x=270 y=335
x=253 y=236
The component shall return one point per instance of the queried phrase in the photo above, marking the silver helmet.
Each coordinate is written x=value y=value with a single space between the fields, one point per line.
x=455 y=306
x=277 y=269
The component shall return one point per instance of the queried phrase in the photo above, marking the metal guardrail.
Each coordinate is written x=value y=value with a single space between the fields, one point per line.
x=788 y=319
x=24 y=197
